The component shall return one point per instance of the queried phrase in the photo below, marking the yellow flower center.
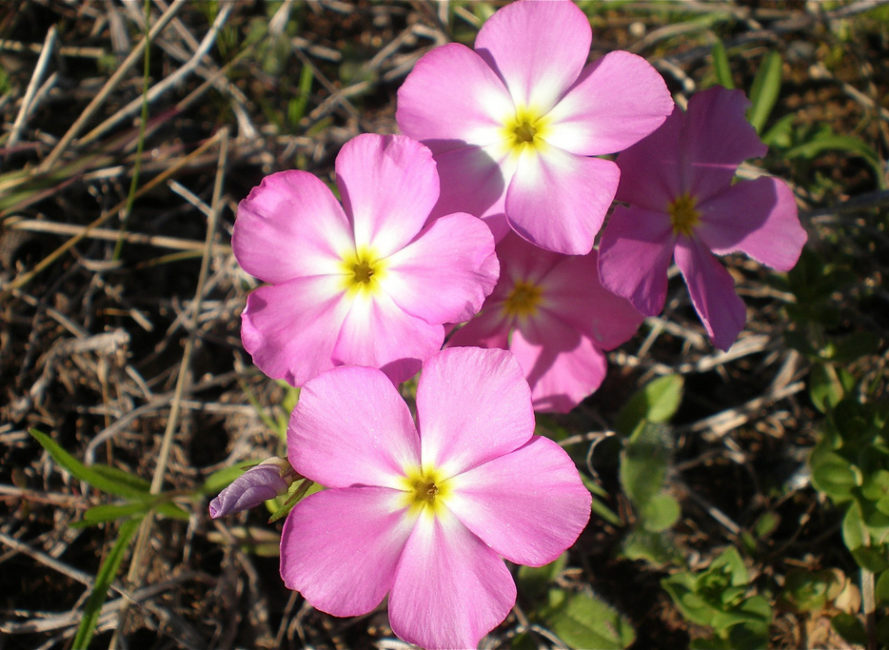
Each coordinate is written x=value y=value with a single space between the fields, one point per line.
x=362 y=271
x=525 y=130
x=523 y=300
x=684 y=215
x=426 y=490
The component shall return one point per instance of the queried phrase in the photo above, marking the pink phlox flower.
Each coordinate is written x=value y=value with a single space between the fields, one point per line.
x=271 y=478
x=553 y=314
x=684 y=205
x=514 y=123
x=368 y=283
x=425 y=513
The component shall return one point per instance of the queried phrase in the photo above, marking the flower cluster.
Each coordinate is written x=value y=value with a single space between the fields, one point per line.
x=474 y=230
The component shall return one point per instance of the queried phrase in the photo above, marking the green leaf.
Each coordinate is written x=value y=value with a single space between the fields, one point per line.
x=881 y=590
x=854 y=531
x=104 y=578
x=829 y=141
x=730 y=562
x=659 y=513
x=598 y=506
x=643 y=463
x=681 y=587
x=657 y=401
x=872 y=558
x=720 y=65
x=825 y=389
x=765 y=90
x=835 y=475
x=106 y=478
x=654 y=548
x=780 y=134
x=220 y=479
x=534 y=581
x=850 y=628
x=584 y=621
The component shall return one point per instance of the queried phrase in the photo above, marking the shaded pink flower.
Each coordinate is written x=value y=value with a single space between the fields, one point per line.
x=514 y=122
x=424 y=513
x=683 y=204
x=367 y=283
x=272 y=477
x=553 y=314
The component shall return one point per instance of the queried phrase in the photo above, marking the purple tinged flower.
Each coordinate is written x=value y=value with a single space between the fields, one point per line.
x=552 y=313
x=424 y=512
x=367 y=283
x=513 y=124
x=683 y=205
x=271 y=478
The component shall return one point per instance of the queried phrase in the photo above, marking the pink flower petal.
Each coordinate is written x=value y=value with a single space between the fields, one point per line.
x=450 y=589
x=489 y=329
x=472 y=405
x=446 y=272
x=634 y=255
x=289 y=329
x=558 y=201
x=562 y=366
x=452 y=97
x=618 y=100
x=572 y=293
x=473 y=180
x=651 y=173
x=717 y=138
x=756 y=217
x=351 y=427
x=389 y=185
x=289 y=226
x=529 y=505
x=344 y=565
x=712 y=292
x=538 y=64
x=376 y=332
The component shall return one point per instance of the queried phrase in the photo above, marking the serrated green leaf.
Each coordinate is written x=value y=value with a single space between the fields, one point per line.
x=657 y=401
x=106 y=479
x=583 y=621
x=765 y=90
x=104 y=578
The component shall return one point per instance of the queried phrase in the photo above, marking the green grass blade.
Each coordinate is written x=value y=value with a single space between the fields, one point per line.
x=106 y=479
x=720 y=65
x=765 y=90
x=104 y=578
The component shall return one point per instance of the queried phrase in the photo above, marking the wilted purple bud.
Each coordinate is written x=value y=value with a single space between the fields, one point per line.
x=264 y=481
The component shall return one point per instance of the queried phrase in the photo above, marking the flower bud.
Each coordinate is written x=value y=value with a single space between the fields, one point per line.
x=259 y=483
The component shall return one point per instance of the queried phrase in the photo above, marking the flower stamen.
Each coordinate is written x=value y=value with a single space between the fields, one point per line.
x=684 y=215
x=525 y=130
x=425 y=490
x=362 y=271
x=523 y=300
